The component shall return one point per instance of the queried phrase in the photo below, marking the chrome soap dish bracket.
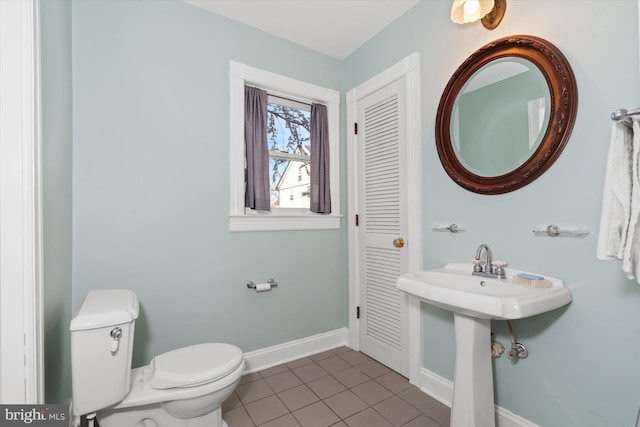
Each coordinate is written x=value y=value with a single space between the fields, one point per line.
x=453 y=228
x=560 y=231
x=252 y=285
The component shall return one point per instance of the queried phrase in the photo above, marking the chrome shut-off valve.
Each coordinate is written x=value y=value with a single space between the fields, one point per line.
x=518 y=351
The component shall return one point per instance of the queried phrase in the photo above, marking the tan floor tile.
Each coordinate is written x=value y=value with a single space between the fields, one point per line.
x=396 y=410
x=247 y=378
x=323 y=355
x=345 y=404
x=355 y=357
x=371 y=392
x=316 y=415
x=254 y=391
x=373 y=368
x=351 y=377
x=441 y=413
x=299 y=362
x=333 y=364
x=298 y=397
x=340 y=350
x=284 y=421
x=232 y=401
x=266 y=409
x=422 y=421
x=274 y=370
x=283 y=381
x=237 y=417
x=357 y=390
x=310 y=372
x=367 y=418
x=394 y=382
x=326 y=386
x=421 y=401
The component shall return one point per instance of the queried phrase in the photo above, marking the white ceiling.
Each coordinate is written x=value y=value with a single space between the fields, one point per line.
x=333 y=27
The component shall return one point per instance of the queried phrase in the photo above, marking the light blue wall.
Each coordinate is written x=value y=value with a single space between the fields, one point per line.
x=583 y=367
x=55 y=18
x=150 y=196
x=151 y=132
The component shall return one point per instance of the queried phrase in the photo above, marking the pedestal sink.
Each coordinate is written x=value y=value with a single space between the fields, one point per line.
x=474 y=301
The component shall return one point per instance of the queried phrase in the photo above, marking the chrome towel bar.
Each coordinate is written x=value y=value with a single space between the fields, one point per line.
x=624 y=115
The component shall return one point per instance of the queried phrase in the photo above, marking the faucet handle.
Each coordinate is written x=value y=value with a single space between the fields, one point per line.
x=477 y=264
x=498 y=267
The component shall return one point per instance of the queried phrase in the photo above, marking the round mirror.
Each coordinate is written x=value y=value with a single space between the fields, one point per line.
x=506 y=114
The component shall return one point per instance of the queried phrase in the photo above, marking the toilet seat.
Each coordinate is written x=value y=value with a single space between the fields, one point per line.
x=194 y=365
x=141 y=392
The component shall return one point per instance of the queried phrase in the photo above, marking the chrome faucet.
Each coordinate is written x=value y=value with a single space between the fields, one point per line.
x=490 y=268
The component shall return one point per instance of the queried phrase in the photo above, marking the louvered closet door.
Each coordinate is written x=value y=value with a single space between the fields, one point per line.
x=381 y=209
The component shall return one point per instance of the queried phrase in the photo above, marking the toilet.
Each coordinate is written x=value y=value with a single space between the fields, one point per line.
x=181 y=388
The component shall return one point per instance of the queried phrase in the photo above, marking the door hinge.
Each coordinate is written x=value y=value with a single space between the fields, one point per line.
x=355 y=128
x=357 y=220
x=357 y=312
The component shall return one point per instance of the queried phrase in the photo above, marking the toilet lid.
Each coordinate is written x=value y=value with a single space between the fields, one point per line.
x=194 y=365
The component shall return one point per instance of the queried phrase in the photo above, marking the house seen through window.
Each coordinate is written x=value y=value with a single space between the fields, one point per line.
x=289 y=152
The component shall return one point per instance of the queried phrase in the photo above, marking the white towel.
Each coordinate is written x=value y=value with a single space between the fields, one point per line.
x=631 y=256
x=616 y=198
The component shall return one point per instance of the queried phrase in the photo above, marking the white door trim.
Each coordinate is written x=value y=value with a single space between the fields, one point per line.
x=409 y=68
x=21 y=372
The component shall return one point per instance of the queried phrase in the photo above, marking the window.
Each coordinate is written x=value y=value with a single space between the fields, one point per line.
x=289 y=150
x=289 y=154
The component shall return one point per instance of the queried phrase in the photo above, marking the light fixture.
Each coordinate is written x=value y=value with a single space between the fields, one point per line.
x=489 y=11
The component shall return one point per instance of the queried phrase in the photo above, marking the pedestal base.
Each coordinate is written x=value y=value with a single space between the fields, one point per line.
x=473 y=404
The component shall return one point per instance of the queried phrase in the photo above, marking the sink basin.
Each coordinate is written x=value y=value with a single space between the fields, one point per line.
x=455 y=288
x=475 y=301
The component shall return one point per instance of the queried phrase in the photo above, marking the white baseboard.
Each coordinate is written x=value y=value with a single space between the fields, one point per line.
x=436 y=386
x=441 y=389
x=282 y=353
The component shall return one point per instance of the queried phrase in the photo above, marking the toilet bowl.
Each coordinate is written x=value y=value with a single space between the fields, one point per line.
x=181 y=388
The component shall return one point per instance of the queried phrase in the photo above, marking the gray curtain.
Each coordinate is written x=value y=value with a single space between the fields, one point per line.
x=257 y=194
x=320 y=188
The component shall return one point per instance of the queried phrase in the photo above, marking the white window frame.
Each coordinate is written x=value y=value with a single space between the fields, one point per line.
x=241 y=219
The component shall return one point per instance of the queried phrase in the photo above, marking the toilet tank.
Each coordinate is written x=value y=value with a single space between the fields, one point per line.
x=101 y=349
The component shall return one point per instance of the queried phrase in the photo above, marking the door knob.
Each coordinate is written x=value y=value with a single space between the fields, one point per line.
x=399 y=242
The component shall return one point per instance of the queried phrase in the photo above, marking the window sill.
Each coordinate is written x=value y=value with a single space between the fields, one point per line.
x=258 y=222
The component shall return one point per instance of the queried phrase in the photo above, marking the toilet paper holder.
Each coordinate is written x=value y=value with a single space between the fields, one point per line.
x=252 y=285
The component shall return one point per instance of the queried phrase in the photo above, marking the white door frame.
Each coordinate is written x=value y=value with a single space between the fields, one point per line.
x=409 y=68
x=21 y=267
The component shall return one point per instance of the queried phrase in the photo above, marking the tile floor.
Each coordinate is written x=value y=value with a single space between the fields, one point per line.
x=339 y=387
